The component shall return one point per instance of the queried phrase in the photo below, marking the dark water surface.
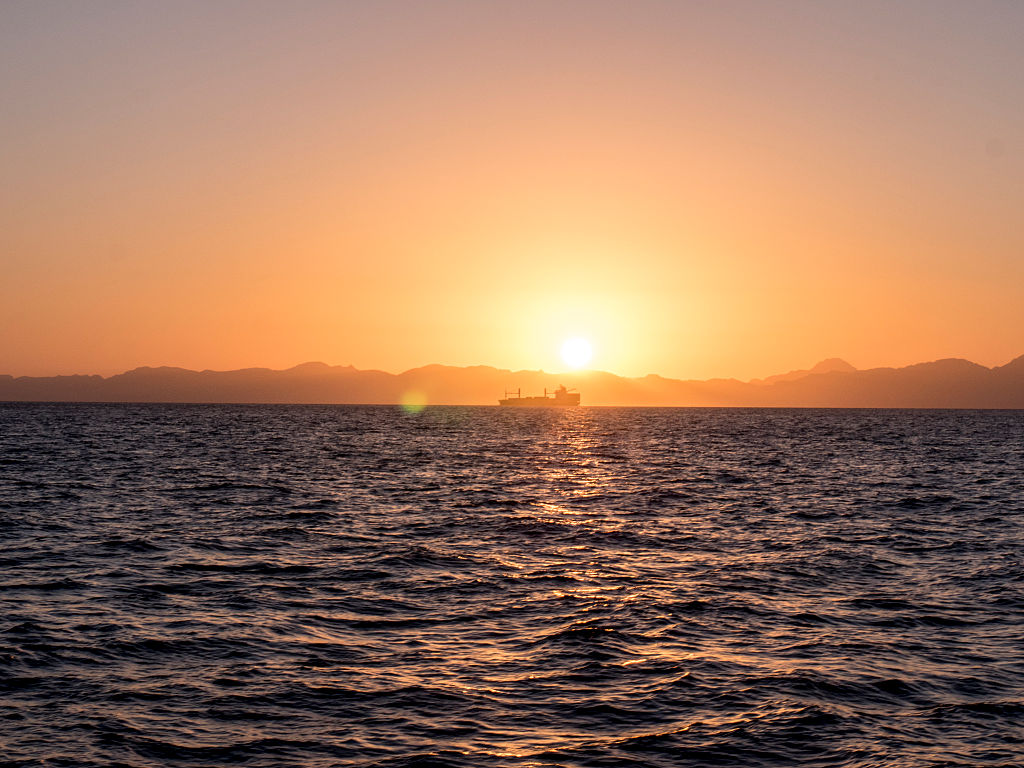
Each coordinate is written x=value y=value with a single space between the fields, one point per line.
x=353 y=586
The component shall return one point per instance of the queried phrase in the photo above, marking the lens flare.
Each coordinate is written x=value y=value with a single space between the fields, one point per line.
x=413 y=402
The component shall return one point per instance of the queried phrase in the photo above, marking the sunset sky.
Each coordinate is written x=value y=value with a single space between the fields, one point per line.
x=698 y=189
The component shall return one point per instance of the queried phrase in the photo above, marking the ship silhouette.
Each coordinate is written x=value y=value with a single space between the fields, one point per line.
x=560 y=398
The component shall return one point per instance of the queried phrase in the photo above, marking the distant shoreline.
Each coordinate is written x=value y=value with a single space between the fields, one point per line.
x=942 y=384
x=398 y=406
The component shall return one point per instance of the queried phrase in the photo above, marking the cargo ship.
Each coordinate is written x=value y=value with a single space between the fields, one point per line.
x=560 y=398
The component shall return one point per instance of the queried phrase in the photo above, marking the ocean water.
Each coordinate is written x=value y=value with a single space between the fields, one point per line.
x=354 y=586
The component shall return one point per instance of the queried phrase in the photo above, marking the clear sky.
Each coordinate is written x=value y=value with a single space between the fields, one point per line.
x=699 y=189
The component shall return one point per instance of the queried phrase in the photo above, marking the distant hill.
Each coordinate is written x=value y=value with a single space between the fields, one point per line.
x=950 y=383
x=832 y=365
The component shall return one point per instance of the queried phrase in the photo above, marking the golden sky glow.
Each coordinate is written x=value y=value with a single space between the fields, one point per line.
x=698 y=189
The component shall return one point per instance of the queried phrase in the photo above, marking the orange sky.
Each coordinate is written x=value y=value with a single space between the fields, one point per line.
x=701 y=189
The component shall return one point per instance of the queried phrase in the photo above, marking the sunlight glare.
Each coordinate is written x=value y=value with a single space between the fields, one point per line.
x=576 y=352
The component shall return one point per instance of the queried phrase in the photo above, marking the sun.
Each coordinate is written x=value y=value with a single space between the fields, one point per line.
x=576 y=352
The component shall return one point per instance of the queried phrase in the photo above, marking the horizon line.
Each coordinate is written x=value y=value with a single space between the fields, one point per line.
x=541 y=371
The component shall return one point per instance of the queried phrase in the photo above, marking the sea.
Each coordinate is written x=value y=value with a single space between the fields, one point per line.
x=267 y=586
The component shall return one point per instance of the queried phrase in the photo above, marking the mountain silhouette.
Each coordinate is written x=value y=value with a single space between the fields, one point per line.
x=949 y=383
x=831 y=365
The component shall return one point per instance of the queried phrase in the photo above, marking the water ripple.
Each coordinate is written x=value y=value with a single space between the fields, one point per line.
x=353 y=586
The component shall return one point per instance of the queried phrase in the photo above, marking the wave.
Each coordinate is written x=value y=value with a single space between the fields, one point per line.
x=349 y=587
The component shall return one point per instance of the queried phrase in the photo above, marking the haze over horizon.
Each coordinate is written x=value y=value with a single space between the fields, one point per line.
x=698 y=190
x=827 y=364
x=833 y=383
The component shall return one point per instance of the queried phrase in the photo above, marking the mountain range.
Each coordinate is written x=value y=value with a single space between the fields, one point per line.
x=949 y=383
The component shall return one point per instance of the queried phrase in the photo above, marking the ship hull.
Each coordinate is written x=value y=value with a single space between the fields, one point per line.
x=540 y=402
